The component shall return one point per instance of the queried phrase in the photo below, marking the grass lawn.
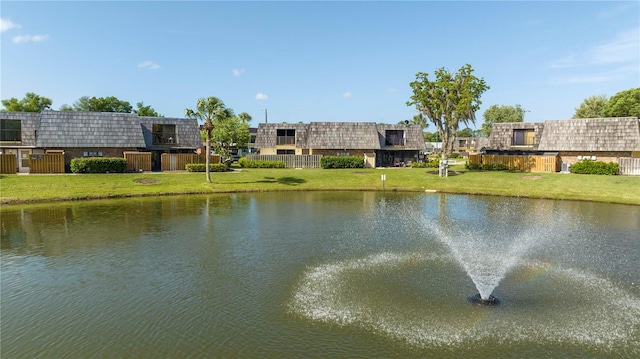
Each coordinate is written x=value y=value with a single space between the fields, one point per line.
x=16 y=189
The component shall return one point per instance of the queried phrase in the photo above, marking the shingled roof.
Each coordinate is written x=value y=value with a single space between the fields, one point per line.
x=266 y=135
x=346 y=135
x=591 y=134
x=29 y=124
x=339 y=135
x=89 y=129
x=58 y=129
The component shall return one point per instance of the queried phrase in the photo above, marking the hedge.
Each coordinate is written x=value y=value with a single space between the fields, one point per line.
x=202 y=167
x=98 y=165
x=245 y=163
x=342 y=162
x=488 y=166
x=595 y=167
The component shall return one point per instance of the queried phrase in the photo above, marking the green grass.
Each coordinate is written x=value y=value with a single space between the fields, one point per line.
x=16 y=189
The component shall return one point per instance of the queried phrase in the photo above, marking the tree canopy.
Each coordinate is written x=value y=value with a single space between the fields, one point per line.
x=623 y=104
x=231 y=131
x=500 y=114
x=99 y=104
x=466 y=132
x=29 y=103
x=208 y=111
x=147 y=111
x=591 y=107
x=447 y=101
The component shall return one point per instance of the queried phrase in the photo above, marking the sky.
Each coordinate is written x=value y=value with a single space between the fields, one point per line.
x=322 y=61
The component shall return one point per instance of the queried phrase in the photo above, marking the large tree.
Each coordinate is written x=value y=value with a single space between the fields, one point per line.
x=99 y=104
x=500 y=114
x=231 y=131
x=29 y=103
x=447 y=101
x=591 y=107
x=623 y=104
x=208 y=111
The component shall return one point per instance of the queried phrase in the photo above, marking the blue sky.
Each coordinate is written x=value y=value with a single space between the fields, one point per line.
x=318 y=61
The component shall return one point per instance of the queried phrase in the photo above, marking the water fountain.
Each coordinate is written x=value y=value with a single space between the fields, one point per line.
x=527 y=255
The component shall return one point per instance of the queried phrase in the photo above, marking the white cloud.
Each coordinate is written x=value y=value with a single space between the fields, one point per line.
x=6 y=24
x=347 y=95
x=623 y=49
x=262 y=96
x=149 y=65
x=29 y=38
x=237 y=72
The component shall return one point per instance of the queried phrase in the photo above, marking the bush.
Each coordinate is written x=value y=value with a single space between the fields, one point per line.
x=342 y=162
x=202 y=167
x=595 y=167
x=455 y=155
x=488 y=167
x=473 y=166
x=419 y=164
x=98 y=165
x=245 y=163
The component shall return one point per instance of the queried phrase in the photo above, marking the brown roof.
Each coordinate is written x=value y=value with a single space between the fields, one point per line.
x=591 y=134
x=339 y=135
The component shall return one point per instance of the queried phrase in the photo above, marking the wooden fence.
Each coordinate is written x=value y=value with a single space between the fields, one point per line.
x=8 y=163
x=46 y=163
x=629 y=166
x=547 y=164
x=178 y=161
x=138 y=161
x=291 y=161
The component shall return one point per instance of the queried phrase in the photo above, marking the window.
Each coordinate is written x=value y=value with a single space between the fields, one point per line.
x=11 y=130
x=286 y=152
x=286 y=137
x=92 y=154
x=394 y=138
x=522 y=137
x=342 y=154
x=164 y=134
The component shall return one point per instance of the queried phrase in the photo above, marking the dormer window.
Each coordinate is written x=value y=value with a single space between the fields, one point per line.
x=522 y=137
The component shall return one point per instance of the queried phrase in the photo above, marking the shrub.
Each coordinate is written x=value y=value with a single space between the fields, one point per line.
x=342 y=162
x=419 y=164
x=595 y=167
x=245 y=163
x=98 y=165
x=488 y=167
x=455 y=155
x=473 y=166
x=495 y=167
x=202 y=167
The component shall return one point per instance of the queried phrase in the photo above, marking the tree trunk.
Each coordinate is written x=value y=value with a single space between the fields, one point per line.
x=208 y=156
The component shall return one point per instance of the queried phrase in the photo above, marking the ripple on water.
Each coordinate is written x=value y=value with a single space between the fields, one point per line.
x=558 y=305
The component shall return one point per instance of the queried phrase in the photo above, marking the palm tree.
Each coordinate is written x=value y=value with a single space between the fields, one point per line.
x=207 y=111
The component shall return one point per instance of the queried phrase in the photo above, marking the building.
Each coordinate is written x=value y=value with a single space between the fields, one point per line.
x=391 y=145
x=94 y=134
x=602 y=139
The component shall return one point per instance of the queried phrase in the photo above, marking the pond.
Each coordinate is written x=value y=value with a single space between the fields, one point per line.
x=320 y=274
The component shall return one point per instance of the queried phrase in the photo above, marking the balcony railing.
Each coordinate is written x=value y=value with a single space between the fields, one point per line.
x=164 y=139
x=286 y=140
x=7 y=135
